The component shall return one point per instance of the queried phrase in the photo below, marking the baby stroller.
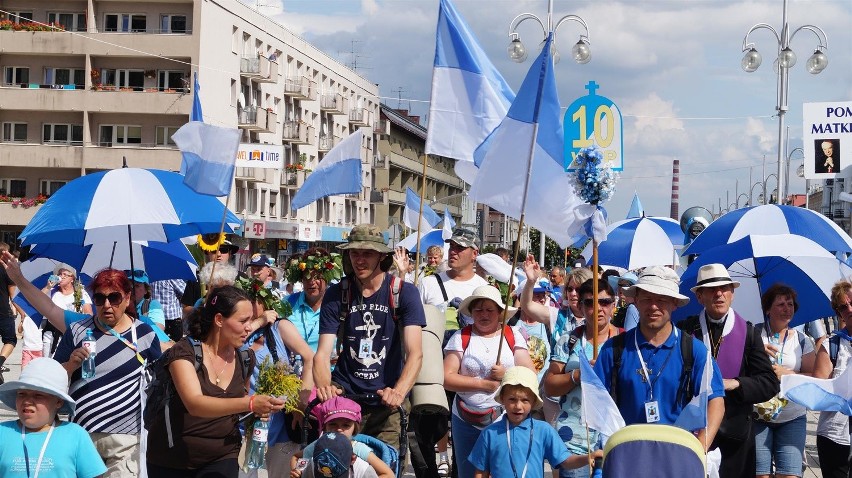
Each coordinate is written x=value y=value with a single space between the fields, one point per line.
x=388 y=454
x=658 y=451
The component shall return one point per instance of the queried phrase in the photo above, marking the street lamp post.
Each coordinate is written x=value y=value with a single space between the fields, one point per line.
x=786 y=59
x=787 y=168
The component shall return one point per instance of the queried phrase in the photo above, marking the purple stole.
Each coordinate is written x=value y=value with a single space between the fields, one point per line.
x=730 y=357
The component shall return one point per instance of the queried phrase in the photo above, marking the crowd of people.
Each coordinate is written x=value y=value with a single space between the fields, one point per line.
x=356 y=328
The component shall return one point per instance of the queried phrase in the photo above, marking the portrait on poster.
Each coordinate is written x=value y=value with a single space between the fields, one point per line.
x=826 y=156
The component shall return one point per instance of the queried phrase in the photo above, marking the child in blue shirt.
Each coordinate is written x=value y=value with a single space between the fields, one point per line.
x=516 y=445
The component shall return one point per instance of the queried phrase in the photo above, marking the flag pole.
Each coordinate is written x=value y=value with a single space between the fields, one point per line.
x=419 y=221
x=518 y=241
x=221 y=231
x=595 y=299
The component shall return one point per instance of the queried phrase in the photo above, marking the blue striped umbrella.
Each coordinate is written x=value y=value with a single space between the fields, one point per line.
x=640 y=242
x=123 y=205
x=772 y=219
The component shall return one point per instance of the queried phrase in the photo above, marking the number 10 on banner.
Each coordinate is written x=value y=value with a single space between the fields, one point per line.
x=593 y=120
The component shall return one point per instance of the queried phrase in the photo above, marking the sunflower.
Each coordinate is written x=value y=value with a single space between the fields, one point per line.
x=210 y=242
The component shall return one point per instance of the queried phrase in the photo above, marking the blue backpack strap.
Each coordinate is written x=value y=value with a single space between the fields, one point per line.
x=833 y=348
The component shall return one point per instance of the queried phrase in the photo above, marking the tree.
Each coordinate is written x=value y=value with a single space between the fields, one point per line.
x=553 y=254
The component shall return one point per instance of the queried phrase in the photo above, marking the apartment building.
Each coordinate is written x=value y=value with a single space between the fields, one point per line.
x=398 y=165
x=116 y=84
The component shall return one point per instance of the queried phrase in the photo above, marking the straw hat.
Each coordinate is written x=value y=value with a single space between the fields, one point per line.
x=661 y=281
x=713 y=275
x=485 y=292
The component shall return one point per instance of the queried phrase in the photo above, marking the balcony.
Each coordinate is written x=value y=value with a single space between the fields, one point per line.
x=333 y=103
x=378 y=197
x=113 y=100
x=326 y=142
x=300 y=88
x=113 y=44
x=381 y=128
x=252 y=119
x=380 y=161
x=360 y=117
x=259 y=68
x=16 y=215
x=271 y=121
x=298 y=132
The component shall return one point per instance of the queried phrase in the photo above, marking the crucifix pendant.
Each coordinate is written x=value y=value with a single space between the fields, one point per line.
x=642 y=374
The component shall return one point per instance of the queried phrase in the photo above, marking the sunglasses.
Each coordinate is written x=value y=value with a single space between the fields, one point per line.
x=138 y=273
x=114 y=298
x=603 y=302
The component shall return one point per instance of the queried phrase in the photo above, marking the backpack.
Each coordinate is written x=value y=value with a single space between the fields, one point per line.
x=161 y=389
x=833 y=349
x=346 y=299
x=684 y=390
x=468 y=329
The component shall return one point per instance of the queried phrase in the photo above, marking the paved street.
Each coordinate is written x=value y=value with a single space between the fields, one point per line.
x=812 y=470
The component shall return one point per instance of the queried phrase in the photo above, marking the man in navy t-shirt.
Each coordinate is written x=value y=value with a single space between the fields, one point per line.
x=375 y=356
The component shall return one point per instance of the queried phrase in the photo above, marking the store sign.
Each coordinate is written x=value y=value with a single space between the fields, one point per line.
x=255 y=229
x=260 y=156
x=281 y=230
x=308 y=232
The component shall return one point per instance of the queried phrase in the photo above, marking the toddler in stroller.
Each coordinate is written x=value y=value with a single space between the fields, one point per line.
x=341 y=415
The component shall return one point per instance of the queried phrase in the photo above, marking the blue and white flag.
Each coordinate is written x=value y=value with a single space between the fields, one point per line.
x=599 y=411
x=825 y=395
x=209 y=152
x=636 y=209
x=469 y=95
x=339 y=172
x=694 y=415
x=209 y=156
x=411 y=213
x=449 y=224
x=528 y=142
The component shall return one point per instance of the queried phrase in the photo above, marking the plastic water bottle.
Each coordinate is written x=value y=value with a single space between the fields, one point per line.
x=91 y=345
x=258 y=444
x=298 y=365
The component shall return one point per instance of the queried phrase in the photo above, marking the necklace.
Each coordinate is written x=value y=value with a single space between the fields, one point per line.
x=213 y=363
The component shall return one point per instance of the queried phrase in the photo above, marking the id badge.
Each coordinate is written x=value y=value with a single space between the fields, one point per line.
x=365 y=348
x=652 y=412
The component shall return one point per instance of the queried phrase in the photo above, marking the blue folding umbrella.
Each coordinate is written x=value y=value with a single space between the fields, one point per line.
x=772 y=219
x=159 y=260
x=123 y=205
x=639 y=242
x=758 y=262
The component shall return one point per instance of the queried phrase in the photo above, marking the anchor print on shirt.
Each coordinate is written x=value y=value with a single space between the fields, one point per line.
x=371 y=330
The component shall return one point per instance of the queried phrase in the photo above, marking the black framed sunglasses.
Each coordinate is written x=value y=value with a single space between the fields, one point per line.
x=603 y=302
x=137 y=273
x=114 y=298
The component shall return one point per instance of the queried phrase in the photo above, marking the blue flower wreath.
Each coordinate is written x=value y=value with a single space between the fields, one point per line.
x=594 y=180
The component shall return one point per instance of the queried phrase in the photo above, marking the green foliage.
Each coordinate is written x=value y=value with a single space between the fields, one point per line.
x=553 y=254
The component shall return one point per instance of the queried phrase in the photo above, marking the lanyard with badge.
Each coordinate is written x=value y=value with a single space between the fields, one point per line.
x=652 y=408
x=41 y=453
x=529 y=449
x=134 y=346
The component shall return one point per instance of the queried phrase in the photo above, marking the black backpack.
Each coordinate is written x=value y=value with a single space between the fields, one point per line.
x=684 y=390
x=161 y=389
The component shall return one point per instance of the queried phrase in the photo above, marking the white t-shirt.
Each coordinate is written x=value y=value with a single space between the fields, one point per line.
x=66 y=302
x=835 y=425
x=32 y=335
x=477 y=360
x=430 y=291
x=791 y=359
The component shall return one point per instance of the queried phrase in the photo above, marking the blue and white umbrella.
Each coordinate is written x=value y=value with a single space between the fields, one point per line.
x=772 y=219
x=159 y=260
x=640 y=242
x=758 y=262
x=126 y=204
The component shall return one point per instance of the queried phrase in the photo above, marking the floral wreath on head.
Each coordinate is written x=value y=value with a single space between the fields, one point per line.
x=210 y=242
x=259 y=292
x=329 y=266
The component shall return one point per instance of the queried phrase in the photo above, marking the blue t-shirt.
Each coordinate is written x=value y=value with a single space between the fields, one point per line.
x=372 y=347
x=70 y=453
x=491 y=452
x=306 y=320
x=665 y=365
x=116 y=381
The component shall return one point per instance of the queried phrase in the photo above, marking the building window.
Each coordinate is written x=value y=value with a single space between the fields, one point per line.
x=21 y=17
x=173 y=23
x=17 y=188
x=171 y=80
x=235 y=39
x=120 y=134
x=62 y=134
x=65 y=76
x=125 y=22
x=48 y=187
x=164 y=135
x=16 y=75
x=123 y=78
x=14 y=132
x=72 y=22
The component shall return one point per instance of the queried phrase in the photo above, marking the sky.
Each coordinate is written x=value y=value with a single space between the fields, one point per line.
x=671 y=66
